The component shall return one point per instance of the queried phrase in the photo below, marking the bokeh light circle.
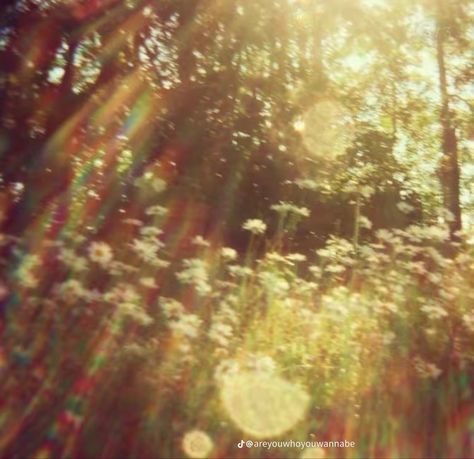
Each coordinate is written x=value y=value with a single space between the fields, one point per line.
x=263 y=405
x=326 y=129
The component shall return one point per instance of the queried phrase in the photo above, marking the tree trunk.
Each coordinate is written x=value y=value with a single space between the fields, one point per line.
x=449 y=168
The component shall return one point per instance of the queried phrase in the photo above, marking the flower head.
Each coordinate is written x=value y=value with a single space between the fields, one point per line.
x=101 y=253
x=228 y=253
x=255 y=226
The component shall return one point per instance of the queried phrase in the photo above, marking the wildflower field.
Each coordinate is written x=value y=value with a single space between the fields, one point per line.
x=236 y=229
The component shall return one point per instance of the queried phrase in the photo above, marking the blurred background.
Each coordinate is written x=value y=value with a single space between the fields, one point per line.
x=236 y=219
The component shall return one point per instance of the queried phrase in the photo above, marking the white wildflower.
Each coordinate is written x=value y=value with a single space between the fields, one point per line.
x=240 y=271
x=146 y=249
x=273 y=283
x=287 y=208
x=255 y=226
x=150 y=231
x=195 y=273
x=228 y=253
x=297 y=257
x=171 y=307
x=306 y=184
x=186 y=325
x=100 y=253
x=220 y=333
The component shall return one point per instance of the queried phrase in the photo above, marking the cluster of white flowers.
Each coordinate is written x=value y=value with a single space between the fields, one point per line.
x=134 y=312
x=186 y=325
x=118 y=268
x=255 y=362
x=285 y=208
x=220 y=333
x=222 y=327
x=255 y=226
x=337 y=256
x=306 y=184
x=273 y=283
x=240 y=271
x=195 y=273
x=289 y=260
x=150 y=232
x=156 y=211
x=429 y=233
x=171 y=308
x=228 y=254
x=72 y=260
x=147 y=248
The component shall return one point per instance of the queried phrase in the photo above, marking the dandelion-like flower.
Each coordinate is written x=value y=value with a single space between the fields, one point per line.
x=197 y=444
x=262 y=404
x=255 y=226
x=101 y=253
x=228 y=253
